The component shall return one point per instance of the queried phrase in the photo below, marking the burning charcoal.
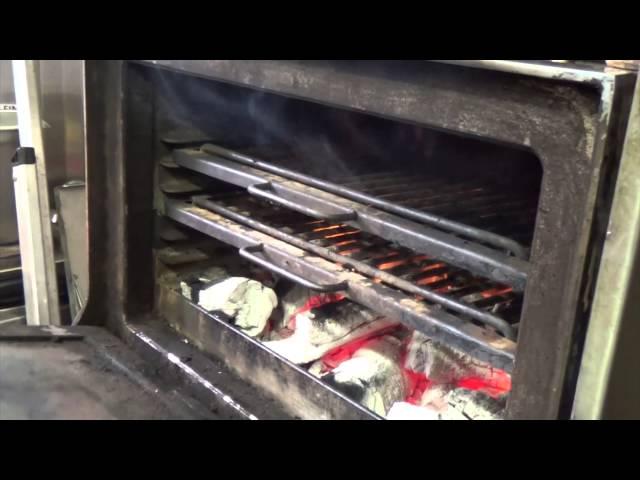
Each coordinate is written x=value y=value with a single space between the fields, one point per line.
x=373 y=376
x=443 y=365
x=475 y=405
x=319 y=330
x=248 y=302
x=299 y=300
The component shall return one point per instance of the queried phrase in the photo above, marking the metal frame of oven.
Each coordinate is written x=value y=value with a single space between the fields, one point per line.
x=572 y=118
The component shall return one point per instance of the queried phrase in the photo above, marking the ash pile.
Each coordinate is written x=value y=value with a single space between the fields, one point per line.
x=395 y=372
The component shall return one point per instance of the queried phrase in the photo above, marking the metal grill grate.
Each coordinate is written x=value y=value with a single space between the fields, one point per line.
x=401 y=263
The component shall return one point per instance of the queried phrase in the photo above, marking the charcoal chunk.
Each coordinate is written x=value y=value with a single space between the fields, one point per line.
x=248 y=302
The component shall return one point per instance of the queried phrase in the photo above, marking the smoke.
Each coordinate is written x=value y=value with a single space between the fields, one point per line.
x=323 y=141
x=318 y=140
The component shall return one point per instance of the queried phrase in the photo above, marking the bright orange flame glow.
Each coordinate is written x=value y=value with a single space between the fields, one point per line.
x=394 y=264
x=494 y=292
x=342 y=234
x=313 y=222
x=330 y=227
x=350 y=251
x=343 y=243
x=434 y=279
x=431 y=267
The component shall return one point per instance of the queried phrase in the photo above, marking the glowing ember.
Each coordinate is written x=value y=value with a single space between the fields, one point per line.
x=394 y=264
x=342 y=234
x=434 y=266
x=330 y=227
x=350 y=251
x=434 y=279
x=314 y=222
x=494 y=292
x=343 y=243
x=498 y=383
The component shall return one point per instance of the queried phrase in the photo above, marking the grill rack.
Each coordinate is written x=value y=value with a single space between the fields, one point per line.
x=359 y=190
x=461 y=252
x=431 y=279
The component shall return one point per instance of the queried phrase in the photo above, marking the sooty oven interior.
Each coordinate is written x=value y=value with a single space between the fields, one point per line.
x=364 y=234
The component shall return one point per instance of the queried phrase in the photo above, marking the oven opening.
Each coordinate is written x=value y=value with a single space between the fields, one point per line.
x=386 y=260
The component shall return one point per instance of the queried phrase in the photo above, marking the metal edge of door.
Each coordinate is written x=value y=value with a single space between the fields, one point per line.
x=32 y=204
x=608 y=386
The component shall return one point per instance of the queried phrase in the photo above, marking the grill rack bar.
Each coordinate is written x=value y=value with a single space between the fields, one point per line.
x=478 y=342
x=468 y=255
x=448 y=225
x=459 y=307
x=377 y=253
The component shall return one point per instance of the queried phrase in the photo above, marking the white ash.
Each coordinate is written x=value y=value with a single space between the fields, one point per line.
x=190 y=287
x=186 y=289
x=248 y=302
x=316 y=368
x=321 y=329
x=373 y=376
x=408 y=411
x=436 y=397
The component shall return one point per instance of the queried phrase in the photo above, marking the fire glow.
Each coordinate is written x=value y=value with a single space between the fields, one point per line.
x=496 y=384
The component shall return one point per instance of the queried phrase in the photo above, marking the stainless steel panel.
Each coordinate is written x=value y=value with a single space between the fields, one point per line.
x=8 y=144
x=62 y=111
x=72 y=222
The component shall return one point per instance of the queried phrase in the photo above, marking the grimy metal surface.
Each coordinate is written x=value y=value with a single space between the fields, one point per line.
x=83 y=373
x=480 y=343
x=302 y=394
x=571 y=126
x=104 y=85
x=320 y=204
x=608 y=385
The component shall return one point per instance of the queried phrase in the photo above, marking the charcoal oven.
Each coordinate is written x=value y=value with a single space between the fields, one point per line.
x=467 y=201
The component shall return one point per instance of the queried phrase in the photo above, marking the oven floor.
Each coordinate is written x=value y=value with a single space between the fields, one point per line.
x=73 y=380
